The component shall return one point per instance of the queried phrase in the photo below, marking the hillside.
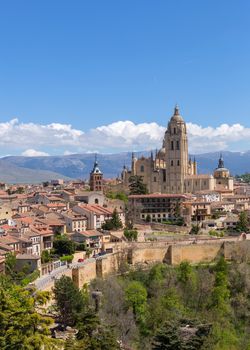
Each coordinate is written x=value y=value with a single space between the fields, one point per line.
x=10 y=173
x=37 y=169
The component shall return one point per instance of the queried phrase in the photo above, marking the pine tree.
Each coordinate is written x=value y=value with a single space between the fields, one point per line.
x=136 y=185
x=69 y=300
x=242 y=224
x=115 y=220
x=21 y=327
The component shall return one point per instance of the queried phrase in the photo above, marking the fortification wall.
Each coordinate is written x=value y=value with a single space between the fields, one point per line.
x=147 y=255
x=237 y=251
x=85 y=273
x=195 y=253
x=110 y=263
x=172 y=254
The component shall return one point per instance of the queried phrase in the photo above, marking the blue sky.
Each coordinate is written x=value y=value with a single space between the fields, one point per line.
x=94 y=63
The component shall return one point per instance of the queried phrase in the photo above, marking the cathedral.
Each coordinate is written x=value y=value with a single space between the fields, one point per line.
x=171 y=170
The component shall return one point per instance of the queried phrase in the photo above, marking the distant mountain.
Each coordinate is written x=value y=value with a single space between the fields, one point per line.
x=37 y=169
x=236 y=162
x=10 y=173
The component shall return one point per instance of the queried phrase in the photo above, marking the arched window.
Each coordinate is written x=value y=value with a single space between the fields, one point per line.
x=172 y=145
x=174 y=130
x=172 y=163
x=178 y=162
x=142 y=168
x=177 y=145
x=96 y=201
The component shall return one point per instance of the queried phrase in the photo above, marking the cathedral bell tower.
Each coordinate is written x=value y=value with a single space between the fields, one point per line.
x=176 y=145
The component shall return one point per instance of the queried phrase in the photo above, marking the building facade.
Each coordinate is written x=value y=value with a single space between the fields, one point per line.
x=171 y=170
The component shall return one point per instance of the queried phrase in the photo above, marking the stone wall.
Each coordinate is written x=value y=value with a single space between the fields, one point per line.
x=237 y=251
x=85 y=273
x=147 y=255
x=171 y=253
x=110 y=263
x=195 y=253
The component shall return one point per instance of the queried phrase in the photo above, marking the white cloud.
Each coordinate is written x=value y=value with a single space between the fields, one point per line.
x=33 y=153
x=115 y=137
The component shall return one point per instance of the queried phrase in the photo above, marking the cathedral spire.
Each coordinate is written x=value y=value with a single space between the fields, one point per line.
x=176 y=110
x=221 y=162
x=152 y=155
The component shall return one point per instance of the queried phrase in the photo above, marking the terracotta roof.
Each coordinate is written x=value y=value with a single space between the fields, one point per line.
x=91 y=233
x=53 y=205
x=6 y=247
x=8 y=240
x=97 y=209
x=25 y=220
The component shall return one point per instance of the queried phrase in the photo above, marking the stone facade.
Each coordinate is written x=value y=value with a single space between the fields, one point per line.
x=171 y=171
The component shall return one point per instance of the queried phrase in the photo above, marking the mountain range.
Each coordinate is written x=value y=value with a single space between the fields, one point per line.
x=20 y=169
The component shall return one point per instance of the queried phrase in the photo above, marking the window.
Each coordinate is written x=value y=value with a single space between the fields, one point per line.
x=142 y=168
x=177 y=145
x=174 y=130
x=172 y=145
x=172 y=163
x=96 y=201
x=154 y=178
x=164 y=175
x=178 y=163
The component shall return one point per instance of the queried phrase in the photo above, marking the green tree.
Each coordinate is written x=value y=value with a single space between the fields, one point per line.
x=136 y=297
x=69 y=301
x=220 y=294
x=195 y=229
x=184 y=272
x=136 y=185
x=131 y=235
x=10 y=263
x=21 y=326
x=114 y=223
x=242 y=224
x=118 y=195
x=63 y=246
x=181 y=335
x=45 y=257
x=93 y=335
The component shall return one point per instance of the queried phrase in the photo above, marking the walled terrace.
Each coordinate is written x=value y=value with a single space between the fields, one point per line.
x=173 y=251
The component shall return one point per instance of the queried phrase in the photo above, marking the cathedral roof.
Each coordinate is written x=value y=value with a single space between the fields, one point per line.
x=176 y=116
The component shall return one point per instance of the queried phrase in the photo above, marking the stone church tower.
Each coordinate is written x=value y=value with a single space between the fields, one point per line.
x=96 y=178
x=176 y=146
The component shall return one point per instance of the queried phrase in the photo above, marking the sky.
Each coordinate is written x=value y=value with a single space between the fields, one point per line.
x=104 y=76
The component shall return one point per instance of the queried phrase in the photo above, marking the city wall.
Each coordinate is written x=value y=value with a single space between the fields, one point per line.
x=170 y=253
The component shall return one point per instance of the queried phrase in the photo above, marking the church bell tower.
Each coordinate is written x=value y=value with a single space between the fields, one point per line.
x=96 y=178
x=176 y=145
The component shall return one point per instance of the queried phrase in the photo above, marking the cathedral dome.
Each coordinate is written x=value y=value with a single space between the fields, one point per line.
x=221 y=171
x=177 y=117
x=162 y=152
